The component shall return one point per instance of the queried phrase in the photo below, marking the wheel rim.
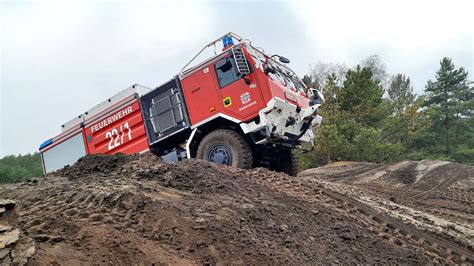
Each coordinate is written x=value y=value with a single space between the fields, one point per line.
x=220 y=154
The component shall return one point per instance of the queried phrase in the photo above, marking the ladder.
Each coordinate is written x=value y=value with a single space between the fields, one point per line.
x=240 y=60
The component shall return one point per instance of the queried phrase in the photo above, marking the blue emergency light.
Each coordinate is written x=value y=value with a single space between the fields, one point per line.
x=227 y=41
x=46 y=143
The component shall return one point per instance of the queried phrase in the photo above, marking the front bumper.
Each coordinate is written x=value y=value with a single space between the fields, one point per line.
x=283 y=122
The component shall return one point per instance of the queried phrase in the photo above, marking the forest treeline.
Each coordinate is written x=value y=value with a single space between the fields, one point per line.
x=368 y=116
x=15 y=168
x=372 y=116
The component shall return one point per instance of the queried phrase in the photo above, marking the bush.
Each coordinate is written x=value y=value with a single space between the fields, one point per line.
x=464 y=155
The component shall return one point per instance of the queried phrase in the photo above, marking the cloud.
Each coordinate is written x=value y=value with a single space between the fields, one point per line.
x=409 y=35
x=59 y=58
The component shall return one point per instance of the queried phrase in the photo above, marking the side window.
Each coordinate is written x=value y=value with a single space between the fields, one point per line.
x=226 y=71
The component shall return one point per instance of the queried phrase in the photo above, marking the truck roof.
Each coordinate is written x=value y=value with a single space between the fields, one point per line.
x=76 y=122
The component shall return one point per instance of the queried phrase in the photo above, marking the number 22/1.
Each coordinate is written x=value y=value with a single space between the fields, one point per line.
x=116 y=139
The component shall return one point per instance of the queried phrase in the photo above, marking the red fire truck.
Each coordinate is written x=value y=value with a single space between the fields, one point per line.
x=241 y=107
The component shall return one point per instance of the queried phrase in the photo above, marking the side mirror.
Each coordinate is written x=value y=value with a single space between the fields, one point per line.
x=247 y=80
x=284 y=59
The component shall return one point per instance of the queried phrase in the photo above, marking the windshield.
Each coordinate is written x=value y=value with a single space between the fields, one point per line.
x=276 y=71
x=289 y=79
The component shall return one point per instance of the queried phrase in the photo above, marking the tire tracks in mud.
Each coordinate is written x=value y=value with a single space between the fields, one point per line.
x=97 y=221
x=454 y=205
x=386 y=227
x=147 y=211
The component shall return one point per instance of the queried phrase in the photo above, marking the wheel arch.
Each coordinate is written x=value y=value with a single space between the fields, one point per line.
x=201 y=130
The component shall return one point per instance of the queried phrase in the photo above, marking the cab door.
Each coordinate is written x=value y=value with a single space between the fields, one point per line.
x=240 y=99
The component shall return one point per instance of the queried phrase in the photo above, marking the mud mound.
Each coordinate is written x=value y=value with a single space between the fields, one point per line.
x=138 y=209
x=15 y=247
x=95 y=164
x=434 y=196
x=444 y=176
x=198 y=176
x=420 y=175
x=405 y=173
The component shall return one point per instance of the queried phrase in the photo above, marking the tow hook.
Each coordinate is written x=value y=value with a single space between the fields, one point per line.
x=290 y=121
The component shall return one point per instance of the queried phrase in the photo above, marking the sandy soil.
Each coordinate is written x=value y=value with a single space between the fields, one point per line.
x=139 y=210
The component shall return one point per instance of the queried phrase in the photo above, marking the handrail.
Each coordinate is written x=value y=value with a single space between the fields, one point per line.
x=231 y=34
x=239 y=39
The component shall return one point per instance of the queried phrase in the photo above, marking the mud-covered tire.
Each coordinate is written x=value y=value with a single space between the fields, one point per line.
x=225 y=143
x=290 y=164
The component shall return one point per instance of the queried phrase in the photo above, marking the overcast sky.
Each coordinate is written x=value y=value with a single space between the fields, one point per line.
x=59 y=58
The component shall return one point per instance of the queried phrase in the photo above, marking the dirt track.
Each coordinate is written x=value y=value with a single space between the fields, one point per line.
x=137 y=209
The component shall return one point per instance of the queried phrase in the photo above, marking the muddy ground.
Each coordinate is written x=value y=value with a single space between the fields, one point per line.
x=139 y=210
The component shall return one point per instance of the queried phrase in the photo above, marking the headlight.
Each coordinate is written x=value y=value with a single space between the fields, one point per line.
x=317 y=98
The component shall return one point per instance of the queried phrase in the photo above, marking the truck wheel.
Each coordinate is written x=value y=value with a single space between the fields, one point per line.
x=224 y=146
x=290 y=164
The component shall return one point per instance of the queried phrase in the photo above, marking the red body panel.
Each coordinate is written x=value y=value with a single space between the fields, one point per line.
x=205 y=98
x=119 y=130
x=200 y=94
x=247 y=99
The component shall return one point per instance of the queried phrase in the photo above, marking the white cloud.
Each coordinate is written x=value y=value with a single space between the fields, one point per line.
x=405 y=25
x=407 y=34
x=59 y=58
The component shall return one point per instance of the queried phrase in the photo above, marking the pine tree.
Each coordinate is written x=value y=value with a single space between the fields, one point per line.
x=450 y=98
x=378 y=68
x=400 y=93
x=361 y=96
x=352 y=118
x=331 y=88
x=329 y=141
x=308 y=81
x=320 y=72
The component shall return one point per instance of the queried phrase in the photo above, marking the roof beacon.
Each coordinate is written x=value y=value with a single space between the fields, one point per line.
x=227 y=42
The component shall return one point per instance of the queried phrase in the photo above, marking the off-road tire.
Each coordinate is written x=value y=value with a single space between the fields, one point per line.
x=235 y=142
x=290 y=163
